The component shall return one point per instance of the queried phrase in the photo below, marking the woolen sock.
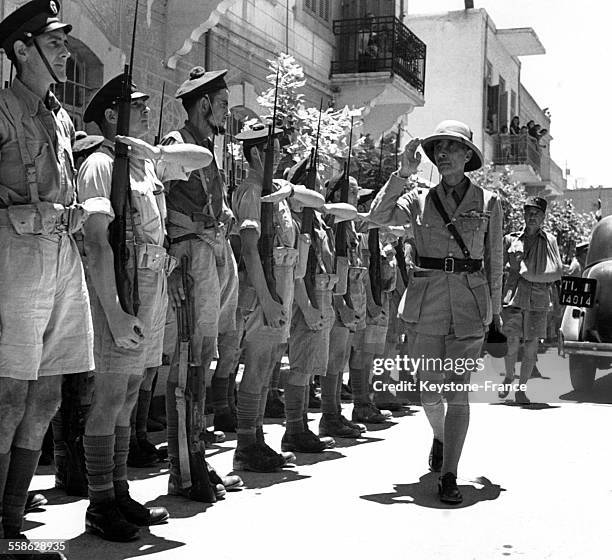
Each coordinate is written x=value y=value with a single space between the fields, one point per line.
x=172 y=419
x=434 y=410
x=339 y=393
x=294 y=408
x=21 y=469
x=142 y=412
x=248 y=409
x=276 y=373
x=59 y=437
x=5 y=460
x=261 y=412
x=359 y=385
x=329 y=386
x=99 y=460
x=122 y=448
x=455 y=430
x=218 y=393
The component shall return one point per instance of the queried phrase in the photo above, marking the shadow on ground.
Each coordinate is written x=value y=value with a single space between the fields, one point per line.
x=601 y=392
x=266 y=480
x=424 y=493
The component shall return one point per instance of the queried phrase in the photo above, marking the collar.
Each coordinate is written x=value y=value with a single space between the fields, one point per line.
x=540 y=233
x=461 y=187
x=32 y=101
x=197 y=135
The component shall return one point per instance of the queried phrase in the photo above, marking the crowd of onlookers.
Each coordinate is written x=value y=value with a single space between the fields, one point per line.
x=512 y=149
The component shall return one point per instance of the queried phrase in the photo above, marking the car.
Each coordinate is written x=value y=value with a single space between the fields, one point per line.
x=585 y=335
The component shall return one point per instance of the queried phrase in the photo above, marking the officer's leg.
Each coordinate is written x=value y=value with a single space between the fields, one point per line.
x=41 y=403
x=530 y=356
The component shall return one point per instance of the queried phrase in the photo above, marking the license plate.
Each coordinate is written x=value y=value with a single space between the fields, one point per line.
x=577 y=291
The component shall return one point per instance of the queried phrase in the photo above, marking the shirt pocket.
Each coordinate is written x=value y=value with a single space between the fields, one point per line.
x=473 y=230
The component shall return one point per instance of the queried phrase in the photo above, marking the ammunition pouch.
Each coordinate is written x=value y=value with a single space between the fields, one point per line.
x=342 y=267
x=357 y=292
x=154 y=257
x=200 y=226
x=324 y=292
x=43 y=218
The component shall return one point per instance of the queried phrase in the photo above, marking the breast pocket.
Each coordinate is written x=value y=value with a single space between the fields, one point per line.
x=473 y=230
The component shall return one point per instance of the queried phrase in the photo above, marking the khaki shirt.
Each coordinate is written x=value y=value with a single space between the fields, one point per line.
x=441 y=302
x=49 y=133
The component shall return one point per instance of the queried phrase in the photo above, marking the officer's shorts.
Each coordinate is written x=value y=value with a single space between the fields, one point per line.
x=110 y=359
x=45 y=319
x=525 y=324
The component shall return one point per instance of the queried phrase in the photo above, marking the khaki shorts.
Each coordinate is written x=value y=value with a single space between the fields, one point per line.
x=110 y=359
x=525 y=324
x=45 y=319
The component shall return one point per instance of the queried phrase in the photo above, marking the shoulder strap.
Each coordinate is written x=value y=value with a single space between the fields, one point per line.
x=449 y=224
x=26 y=157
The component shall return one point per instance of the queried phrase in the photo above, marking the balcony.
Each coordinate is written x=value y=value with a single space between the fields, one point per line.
x=521 y=153
x=380 y=65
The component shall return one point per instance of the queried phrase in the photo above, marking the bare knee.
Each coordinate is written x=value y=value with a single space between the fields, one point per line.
x=108 y=400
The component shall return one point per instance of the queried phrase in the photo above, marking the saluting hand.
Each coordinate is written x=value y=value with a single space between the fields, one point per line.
x=410 y=159
x=285 y=191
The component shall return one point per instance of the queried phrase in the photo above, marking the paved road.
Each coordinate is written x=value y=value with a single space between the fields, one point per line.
x=535 y=481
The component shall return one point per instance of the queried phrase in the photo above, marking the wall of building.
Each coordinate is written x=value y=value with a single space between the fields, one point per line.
x=585 y=200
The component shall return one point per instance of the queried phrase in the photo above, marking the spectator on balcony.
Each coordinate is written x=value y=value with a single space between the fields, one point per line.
x=368 y=45
x=505 y=147
x=515 y=126
x=531 y=129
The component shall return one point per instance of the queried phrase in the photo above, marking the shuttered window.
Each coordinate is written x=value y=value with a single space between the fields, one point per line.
x=319 y=8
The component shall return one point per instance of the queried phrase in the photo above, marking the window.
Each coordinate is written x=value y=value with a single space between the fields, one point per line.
x=319 y=8
x=84 y=76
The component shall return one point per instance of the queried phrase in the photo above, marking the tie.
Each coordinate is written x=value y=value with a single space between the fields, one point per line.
x=456 y=197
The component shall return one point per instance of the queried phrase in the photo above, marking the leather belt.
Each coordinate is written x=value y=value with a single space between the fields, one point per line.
x=450 y=264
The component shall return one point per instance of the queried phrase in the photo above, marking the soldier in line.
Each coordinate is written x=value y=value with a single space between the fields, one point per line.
x=199 y=219
x=46 y=329
x=456 y=291
x=350 y=310
x=125 y=345
x=264 y=319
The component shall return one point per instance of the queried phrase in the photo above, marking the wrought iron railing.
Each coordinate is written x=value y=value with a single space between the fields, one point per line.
x=379 y=44
x=520 y=149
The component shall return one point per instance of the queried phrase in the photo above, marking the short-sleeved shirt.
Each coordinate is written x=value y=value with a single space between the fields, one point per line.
x=94 y=182
x=49 y=133
x=246 y=203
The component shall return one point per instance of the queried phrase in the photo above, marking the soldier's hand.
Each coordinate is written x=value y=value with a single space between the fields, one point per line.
x=347 y=315
x=274 y=314
x=410 y=159
x=139 y=148
x=176 y=290
x=127 y=331
x=314 y=318
x=375 y=311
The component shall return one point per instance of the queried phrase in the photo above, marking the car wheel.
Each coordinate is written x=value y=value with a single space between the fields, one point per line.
x=582 y=372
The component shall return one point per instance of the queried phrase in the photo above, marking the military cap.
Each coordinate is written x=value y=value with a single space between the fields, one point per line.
x=580 y=247
x=106 y=97
x=32 y=19
x=536 y=202
x=255 y=136
x=201 y=82
x=87 y=142
x=298 y=173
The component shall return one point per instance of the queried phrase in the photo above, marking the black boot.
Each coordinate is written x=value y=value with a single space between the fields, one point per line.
x=138 y=514
x=107 y=521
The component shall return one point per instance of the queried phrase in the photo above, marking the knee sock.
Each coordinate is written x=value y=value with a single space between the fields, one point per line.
x=305 y=406
x=248 y=409
x=142 y=413
x=329 y=387
x=434 y=410
x=5 y=460
x=231 y=387
x=59 y=438
x=21 y=469
x=261 y=412
x=455 y=430
x=171 y=420
x=359 y=385
x=99 y=460
x=294 y=408
x=275 y=380
x=122 y=447
x=339 y=393
x=218 y=393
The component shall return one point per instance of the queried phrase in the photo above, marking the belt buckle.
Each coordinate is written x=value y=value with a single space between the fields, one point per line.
x=449 y=264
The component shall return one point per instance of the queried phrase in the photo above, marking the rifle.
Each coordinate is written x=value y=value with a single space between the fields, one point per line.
x=161 y=116
x=308 y=217
x=341 y=237
x=195 y=481
x=400 y=256
x=374 y=247
x=121 y=199
x=266 y=241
